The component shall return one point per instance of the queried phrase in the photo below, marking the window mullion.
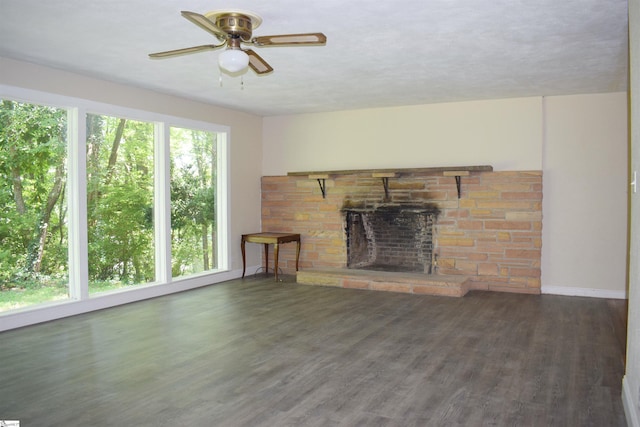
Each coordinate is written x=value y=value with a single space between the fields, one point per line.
x=162 y=206
x=222 y=200
x=77 y=197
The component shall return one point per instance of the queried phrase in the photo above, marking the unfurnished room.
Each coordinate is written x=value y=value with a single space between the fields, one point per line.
x=283 y=213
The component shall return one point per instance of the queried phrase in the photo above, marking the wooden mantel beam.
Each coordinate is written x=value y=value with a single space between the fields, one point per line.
x=483 y=168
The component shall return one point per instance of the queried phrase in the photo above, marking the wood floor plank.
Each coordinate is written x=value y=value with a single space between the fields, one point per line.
x=254 y=352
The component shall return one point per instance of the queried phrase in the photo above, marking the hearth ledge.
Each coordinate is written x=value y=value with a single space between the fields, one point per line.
x=412 y=283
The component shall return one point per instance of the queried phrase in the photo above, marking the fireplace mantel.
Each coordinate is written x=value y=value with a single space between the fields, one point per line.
x=397 y=171
x=385 y=174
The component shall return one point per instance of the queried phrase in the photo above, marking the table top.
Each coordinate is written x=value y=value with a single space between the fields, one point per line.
x=270 y=237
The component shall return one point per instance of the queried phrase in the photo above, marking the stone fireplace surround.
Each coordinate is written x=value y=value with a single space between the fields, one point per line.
x=487 y=237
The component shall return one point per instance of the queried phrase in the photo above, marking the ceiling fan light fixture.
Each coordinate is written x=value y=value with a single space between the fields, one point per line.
x=233 y=60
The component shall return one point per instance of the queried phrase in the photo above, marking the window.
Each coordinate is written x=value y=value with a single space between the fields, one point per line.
x=119 y=202
x=193 y=201
x=107 y=201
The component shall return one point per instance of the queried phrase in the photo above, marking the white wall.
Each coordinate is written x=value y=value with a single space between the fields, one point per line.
x=502 y=133
x=585 y=194
x=579 y=142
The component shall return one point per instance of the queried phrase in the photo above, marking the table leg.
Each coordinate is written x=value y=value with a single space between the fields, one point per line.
x=275 y=261
x=266 y=259
x=297 y=253
x=244 y=261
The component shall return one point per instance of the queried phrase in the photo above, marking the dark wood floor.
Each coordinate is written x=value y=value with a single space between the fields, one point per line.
x=255 y=353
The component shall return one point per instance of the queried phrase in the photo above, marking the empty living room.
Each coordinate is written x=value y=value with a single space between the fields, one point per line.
x=329 y=214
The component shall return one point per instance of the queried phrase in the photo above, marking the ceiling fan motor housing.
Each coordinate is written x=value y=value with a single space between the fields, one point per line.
x=235 y=24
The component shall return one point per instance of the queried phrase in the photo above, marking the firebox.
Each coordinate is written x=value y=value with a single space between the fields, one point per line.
x=391 y=237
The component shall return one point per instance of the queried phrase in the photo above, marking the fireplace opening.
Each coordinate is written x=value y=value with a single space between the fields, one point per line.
x=391 y=237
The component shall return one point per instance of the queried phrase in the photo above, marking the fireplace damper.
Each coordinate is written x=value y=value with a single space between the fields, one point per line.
x=391 y=237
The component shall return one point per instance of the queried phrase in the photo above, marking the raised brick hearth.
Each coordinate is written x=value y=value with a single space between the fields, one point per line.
x=490 y=238
x=410 y=283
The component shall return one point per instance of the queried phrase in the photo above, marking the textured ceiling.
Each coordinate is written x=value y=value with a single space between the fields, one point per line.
x=378 y=54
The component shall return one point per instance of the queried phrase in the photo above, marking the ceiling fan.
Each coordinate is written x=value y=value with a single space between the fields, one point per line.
x=232 y=29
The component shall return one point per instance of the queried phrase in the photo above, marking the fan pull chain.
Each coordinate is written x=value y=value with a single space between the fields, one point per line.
x=221 y=84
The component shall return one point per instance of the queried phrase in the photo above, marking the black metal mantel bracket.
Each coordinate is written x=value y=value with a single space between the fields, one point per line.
x=321 y=183
x=385 y=184
x=385 y=181
x=458 y=176
x=323 y=187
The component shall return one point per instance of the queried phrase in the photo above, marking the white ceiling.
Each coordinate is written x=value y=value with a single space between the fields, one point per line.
x=378 y=53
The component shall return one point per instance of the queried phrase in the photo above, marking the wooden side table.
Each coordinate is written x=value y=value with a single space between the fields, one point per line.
x=270 y=239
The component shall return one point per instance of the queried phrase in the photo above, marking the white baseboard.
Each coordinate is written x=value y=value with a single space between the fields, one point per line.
x=583 y=292
x=630 y=408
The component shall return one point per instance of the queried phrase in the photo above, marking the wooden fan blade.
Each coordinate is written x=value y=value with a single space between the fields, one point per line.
x=257 y=64
x=185 y=51
x=290 y=39
x=206 y=24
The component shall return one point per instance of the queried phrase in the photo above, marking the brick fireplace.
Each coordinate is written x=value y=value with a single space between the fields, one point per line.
x=486 y=226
